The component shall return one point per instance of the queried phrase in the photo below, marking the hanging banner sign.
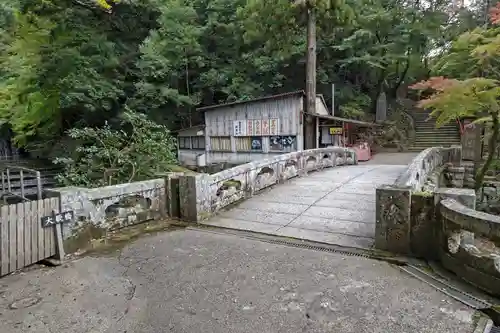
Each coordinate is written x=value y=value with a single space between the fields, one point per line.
x=256 y=127
x=265 y=127
x=273 y=127
x=240 y=128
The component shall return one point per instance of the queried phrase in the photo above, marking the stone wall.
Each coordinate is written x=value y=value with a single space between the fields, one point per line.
x=203 y=195
x=112 y=207
x=490 y=197
x=470 y=244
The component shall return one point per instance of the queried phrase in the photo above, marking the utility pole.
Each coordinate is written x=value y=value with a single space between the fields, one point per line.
x=311 y=59
x=310 y=105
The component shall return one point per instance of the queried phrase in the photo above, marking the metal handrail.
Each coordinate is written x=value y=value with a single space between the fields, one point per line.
x=460 y=126
x=6 y=177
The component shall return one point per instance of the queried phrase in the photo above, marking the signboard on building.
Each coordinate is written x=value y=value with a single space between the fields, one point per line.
x=273 y=127
x=256 y=127
x=240 y=128
x=250 y=129
x=256 y=143
x=335 y=130
x=265 y=127
x=281 y=142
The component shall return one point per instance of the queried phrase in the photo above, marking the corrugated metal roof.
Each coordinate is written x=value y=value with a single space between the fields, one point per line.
x=260 y=99
x=202 y=126
x=297 y=92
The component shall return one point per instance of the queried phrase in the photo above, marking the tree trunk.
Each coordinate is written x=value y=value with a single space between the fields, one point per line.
x=402 y=78
x=378 y=90
x=492 y=149
x=309 y=137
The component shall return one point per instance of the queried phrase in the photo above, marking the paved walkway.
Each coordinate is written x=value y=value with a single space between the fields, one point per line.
x=335 y=206
x=199 y=282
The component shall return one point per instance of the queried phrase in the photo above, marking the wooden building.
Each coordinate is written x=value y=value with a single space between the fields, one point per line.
x=191 y=146
x=246 y=131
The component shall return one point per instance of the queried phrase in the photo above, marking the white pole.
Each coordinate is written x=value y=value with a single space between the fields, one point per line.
x=333 y=99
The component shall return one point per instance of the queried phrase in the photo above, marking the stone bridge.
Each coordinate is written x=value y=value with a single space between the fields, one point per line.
x=335 y=206
x=415 y=207
x=322 y=195
x=418 y=209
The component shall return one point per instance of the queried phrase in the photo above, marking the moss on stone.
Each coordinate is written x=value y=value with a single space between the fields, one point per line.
x=425 y=194
x=232 y=183
x=106 y=243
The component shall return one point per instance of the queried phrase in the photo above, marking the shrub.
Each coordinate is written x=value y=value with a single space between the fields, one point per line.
x=136 y=149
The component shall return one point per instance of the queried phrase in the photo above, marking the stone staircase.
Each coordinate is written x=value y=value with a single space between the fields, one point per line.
x=427 y=135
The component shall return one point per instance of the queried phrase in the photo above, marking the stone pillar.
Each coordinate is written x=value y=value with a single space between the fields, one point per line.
x=354 y=157
x=424 y=241
x=194 y=197
x=172 y=200
x=455 y=157
x=392 y=229
x=471 y=141
x=72 y=198
x=301 y=165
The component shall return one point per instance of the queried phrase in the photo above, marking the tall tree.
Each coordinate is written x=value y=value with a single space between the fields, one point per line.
x=474 y=60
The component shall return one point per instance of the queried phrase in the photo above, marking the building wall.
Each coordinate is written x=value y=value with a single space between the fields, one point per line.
x=321 y=107
x=238 y=158
x=222 y=145
x=187 y=157
x=190 y=143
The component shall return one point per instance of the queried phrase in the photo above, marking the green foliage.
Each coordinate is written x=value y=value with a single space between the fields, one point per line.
x=474 y=87
x=134 y=149
x=74 y=65
x=67 y=66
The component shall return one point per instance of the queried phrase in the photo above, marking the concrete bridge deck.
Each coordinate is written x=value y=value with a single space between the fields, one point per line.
x=335 y=206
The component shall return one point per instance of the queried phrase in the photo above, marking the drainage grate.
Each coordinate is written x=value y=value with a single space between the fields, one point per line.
x=446 y=288
x=305 y=244
x=314 y=247
x=495 y=329
x=405 y=264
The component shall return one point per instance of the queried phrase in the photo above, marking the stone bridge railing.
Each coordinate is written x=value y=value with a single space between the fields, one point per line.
x=203 y=195
x=421 y=217
x=425 y=164
x=394 y=224
x=470 y=244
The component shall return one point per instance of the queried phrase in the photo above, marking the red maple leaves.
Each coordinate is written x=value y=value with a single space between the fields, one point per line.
x=495 y=14
x=438 y=83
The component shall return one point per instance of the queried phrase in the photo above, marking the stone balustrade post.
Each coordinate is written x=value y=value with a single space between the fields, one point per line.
x=194 y=195
x=172 y=199
x=301 y=165
x=455 y=157
x=393 y=214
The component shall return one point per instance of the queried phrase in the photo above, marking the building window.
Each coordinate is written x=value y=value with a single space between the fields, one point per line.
x=198 y=142
x=283 y=143
x=220 y=143
x=184 y=142
x=248 y=143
